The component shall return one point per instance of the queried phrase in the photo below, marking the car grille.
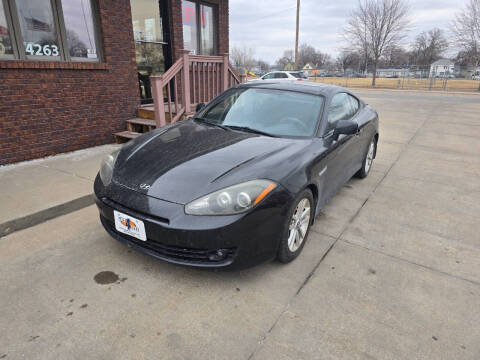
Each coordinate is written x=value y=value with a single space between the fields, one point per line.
x=177 y=254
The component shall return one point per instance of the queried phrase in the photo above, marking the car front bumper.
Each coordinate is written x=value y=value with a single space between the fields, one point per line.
x=234 y=241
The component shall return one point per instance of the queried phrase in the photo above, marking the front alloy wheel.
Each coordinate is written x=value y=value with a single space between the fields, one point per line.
x=368 y=160
x=298 y=223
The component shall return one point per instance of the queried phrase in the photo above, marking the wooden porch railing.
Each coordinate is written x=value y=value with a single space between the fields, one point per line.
x=191 y=80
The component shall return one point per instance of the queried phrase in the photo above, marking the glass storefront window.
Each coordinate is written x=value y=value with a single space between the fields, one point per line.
x=149 y=43
x=198 y=27
x=6 y=48
x=206 y=32
x=38 y=28
x=49 y=30
x=147 y=22
x=189 y=21
x=80 y=29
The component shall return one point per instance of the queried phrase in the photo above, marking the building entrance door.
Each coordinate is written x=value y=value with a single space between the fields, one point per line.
x=152 y=51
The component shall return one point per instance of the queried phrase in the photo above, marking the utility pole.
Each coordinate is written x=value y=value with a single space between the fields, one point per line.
x=296 y=36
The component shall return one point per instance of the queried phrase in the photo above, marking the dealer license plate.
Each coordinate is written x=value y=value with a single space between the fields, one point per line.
x=129 y=225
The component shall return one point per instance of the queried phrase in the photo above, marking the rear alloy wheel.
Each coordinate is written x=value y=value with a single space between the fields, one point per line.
x=368 y=161
x=298 y=224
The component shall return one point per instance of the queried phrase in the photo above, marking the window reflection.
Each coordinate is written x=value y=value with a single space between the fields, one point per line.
x=206 y=13
x=5 y=42
x=38 y=28
x=150 y=59
x=189 y=21
x=80 y=29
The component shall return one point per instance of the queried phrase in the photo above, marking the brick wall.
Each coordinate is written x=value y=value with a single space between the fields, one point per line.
x=52 y=107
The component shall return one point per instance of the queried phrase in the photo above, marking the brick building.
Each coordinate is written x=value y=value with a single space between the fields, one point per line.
x=73 y=71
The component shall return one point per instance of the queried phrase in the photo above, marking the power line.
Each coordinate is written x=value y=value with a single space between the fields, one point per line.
x=272 y=13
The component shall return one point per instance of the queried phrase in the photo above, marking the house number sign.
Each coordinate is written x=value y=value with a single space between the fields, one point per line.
x=39 y=50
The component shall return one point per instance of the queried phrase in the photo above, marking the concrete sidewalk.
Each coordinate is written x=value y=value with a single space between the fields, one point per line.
x=35 y=191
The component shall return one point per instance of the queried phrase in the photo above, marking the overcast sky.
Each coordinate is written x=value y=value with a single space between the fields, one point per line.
x=268 y=26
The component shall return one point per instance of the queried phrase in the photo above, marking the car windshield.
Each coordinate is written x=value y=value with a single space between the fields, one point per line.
x=273 y=112
x=299 y=75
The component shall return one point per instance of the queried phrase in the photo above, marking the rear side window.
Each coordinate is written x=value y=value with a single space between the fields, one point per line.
x=281 y=76
x=298 y=75
x=354 y=104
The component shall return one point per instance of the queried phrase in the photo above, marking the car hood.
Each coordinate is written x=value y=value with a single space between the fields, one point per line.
x=185 y=161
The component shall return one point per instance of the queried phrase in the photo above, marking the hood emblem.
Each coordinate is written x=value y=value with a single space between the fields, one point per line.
x=144 y=186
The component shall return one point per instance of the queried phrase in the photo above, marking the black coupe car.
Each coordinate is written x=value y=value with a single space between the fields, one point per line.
x=241 y=181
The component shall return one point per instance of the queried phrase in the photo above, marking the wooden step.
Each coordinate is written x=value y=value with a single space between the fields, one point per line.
x=142 y=121
x=124 y=136
x=140 y=125
x=146 y=112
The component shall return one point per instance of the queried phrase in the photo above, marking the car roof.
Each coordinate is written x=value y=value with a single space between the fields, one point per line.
x=307 y=87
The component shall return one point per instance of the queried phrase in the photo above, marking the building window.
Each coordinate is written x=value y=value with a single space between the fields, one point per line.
x=199 y=27
x=38 y=29
x=6 y=47
x=148 y=35
x=49 y=30
x=79 y=29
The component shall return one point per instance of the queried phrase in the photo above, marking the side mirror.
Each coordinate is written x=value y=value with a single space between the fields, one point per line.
x=199 y=107
x=346 y=127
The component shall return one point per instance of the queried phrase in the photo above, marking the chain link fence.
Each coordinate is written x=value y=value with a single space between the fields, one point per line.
x=411 y=78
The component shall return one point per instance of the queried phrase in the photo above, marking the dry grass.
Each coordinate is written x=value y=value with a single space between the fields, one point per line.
x=420 y=84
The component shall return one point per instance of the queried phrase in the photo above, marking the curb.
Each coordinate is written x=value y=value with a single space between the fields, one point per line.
x=41 y=216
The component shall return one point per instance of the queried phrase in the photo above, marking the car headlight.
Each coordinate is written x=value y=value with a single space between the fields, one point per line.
x=231 y=200
x=106 y=170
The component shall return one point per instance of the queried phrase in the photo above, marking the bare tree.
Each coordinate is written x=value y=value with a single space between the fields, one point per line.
x=287 y=58
x=375 y=25
x=263 y=65
x=429 y=46
x=307 y=54
x=242 y=58
x=466 y=30
x=348 y=60
x=394 y=56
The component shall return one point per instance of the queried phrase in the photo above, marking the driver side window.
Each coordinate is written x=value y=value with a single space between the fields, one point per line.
x=342 y=107
x=269 y=76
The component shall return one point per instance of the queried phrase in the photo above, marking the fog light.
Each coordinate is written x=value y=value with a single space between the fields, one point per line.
x=218 y=255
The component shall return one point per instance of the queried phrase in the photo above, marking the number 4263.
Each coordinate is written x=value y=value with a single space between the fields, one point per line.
x=39 y=50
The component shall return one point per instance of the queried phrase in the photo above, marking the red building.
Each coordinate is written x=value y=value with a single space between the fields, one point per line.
x=72 y=72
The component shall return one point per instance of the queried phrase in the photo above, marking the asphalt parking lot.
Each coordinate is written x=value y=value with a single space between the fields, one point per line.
x=391 y=269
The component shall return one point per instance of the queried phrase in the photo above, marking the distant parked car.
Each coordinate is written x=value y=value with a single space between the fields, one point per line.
x=445 y=76
x=476 y=76
x=284 y=75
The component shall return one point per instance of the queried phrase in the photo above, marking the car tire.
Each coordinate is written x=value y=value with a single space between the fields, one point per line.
x=292 y=243
x=368 y=160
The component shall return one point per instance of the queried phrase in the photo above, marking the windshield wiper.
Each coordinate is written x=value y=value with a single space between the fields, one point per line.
x=250 y=130
x=205 y=121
